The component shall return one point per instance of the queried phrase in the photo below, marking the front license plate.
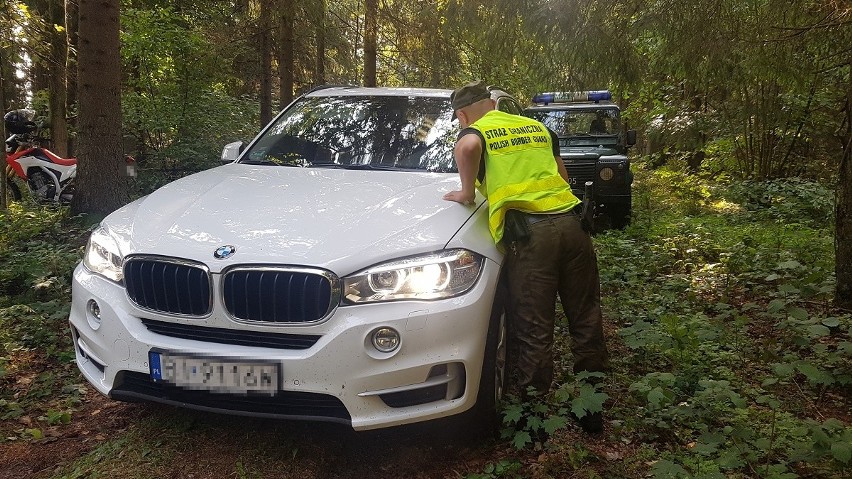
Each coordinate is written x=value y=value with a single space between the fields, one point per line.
x=214 y=374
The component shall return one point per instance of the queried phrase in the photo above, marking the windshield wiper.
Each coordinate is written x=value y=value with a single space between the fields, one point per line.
x=366 y=166
x=266 y=163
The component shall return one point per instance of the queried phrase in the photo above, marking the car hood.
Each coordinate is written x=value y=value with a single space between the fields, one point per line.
x=341 y=220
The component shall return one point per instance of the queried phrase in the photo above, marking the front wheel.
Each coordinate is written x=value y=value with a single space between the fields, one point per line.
x=492 y=385
x=619 y=214
x=483 y=418
x=13 y=192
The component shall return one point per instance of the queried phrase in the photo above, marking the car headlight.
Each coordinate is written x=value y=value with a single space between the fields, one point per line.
x=102 y=256
x=607 y=173
x=434 y=276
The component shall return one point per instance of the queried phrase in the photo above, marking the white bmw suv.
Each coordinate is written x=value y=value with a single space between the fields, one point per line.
x=319 y=275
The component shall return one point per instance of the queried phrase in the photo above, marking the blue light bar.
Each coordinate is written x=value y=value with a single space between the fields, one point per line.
x=544 y=98
x=572 y=96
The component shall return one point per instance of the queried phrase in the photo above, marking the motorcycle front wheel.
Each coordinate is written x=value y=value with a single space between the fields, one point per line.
x=13 y=192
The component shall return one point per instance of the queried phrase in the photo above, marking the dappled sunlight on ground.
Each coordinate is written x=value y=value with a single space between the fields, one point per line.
x=725 y=206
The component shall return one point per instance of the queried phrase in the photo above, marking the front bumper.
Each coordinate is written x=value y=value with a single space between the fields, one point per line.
x=340 y=378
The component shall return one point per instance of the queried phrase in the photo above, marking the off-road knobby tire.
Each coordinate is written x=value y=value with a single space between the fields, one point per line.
x=13 y=192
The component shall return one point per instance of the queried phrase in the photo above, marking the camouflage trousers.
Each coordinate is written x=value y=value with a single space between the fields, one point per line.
x=558 y=258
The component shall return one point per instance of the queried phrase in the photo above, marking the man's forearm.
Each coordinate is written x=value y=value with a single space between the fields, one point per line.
x=467 y=152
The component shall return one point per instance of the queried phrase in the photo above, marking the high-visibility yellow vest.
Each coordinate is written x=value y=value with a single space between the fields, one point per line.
x=520 y=170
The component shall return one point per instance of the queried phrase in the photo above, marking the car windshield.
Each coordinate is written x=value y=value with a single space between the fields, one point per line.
x=574 y=123
x=361 y=132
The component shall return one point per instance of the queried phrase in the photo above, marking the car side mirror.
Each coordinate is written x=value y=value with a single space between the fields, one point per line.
x=631 y=137
x=232 y=151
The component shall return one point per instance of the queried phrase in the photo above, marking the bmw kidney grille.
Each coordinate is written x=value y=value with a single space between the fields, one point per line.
x=251 y=293
x=279 y=295
x=168 y=286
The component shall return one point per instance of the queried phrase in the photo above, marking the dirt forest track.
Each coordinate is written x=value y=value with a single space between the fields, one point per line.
x=202 y=445
x=107 y=438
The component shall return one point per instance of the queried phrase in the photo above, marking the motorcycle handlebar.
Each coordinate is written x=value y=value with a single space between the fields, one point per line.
x=24 y=138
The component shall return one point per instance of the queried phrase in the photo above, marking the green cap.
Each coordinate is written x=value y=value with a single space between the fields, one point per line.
x=469 y=94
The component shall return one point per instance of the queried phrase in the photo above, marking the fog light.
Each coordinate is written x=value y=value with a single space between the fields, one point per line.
x=94 y=314
x=94 y=309
x=606 y=174
x=385 y=339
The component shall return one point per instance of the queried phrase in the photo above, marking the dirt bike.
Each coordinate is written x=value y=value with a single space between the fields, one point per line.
x=49 y=177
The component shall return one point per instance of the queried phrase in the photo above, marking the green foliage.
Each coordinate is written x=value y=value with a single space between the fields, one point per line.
x=730 y=360
x=506 y=468
x=34 y=306
x=176 y=106
x=718 y=77
x=210 y=122
x=791 y=199
x=530 y=422
x=36 y=326
x=734 y=346
x=35 y=280
x=23 y=222
x=57 y=417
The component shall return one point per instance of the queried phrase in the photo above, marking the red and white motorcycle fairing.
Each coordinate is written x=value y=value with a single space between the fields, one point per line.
x=48 y=176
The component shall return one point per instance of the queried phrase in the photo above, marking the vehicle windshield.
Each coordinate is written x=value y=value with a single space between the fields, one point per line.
x=578 y=123
x=361 y=132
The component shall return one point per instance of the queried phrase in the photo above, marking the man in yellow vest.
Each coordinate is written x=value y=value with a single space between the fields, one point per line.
x=534 y=218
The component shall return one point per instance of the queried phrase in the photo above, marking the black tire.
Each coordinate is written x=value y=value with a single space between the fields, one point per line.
x=483 y=419
x=619 y=214
x=492 y=385
x=13 y=192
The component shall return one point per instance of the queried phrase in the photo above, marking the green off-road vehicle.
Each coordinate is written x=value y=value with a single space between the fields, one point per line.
x=593 y=145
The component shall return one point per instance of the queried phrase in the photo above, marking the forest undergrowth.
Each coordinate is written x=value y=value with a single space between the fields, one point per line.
x=728 y=358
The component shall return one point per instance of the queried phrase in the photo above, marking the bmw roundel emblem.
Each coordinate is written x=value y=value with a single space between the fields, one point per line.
x=225 y=251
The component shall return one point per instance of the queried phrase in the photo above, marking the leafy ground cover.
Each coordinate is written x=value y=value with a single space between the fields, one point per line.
x=728 y=361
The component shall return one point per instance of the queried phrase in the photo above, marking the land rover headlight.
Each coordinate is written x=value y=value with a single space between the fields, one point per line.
x=433 y=276
x=102 y=256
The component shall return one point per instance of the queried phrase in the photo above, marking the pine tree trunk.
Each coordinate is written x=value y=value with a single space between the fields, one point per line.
x=10 y=90
x=319 y=73
x=370 y=30
x=843 y=212
x=58 y=57
x=285 y=52
x=101 y=181
x=3 y=133
x=71 y=20
x=265 y=65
